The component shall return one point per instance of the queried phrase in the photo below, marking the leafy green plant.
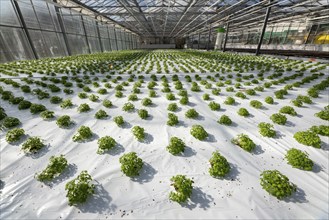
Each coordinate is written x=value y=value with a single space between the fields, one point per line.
x=280 y=93
x=243 y=112
x=37 y=108
x=152 y=94
x=304 y=99
x=47 y=114
x=55 y=100
x=170 y=96
x=321 y=130
x=219 y=165
x=131 y=164
x=24 y=105
x=229 y=101
x=324 y=114
x=14 y=135
x=128 y=107
x=82 y=95
x=191 y=113
x=84 y=133
x=143 y=114
x=118 y=94
x=214 y=106
x=102 y=91
x=172 y=119
x=198 y=132
x=79 y=189
x=240 y=95
x=288 y=110
x=93 y=98
x=256 y=104
x=56 y=166
x=266 y=129
x=138 y=132
x=279 y=118
x=84 y=107
x=308 y=138
x=276 y=184
x=206 y=96
x=250 y=92
x=172 y=107
x=64 y=121
x=105 y=143
x=119 y=120
x=101 y=114
x=32 y=145
x=176 y=146
x=67 y=103
x=132 y=97
x=146 y=102
x=184 y=100
x=107 y=103
x=297 y=103
x=269 y=100
x=243 y=141
x=183 y=188
x=10 y=122
x=299 y=159
x=224 y=120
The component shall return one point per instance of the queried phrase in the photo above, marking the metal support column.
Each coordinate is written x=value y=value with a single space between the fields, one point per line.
x=268 y=10
x=99 y=37
x=286 y=37
x=116 y=39
x=61 y=25
x=208 y=42
x=85 y=32
x=108 y=34
x=199 y=42
x=226 y=36
x=25 y=29
x=269 y=40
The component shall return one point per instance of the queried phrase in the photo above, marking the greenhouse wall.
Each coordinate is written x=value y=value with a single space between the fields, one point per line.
x=33 y=29
x=283 y=36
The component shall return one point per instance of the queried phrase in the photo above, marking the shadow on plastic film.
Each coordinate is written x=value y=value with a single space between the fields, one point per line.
x=99 y=202
x=148 y=138
x=324 y=145
x=21 y=141
x=188 y=152
x=118 y=149
x=257 y=150
x=126 y=125
x=40 y=153
x=198 y=199
x=211 y=138
x=297 y=197
x=2 y=185
x=233 y=174
x=146 y=174
x=316 y=168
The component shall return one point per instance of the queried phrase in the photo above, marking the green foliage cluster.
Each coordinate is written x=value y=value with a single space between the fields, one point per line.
x=83 y=133
x=266 y=129
x=172 y=119
x=67 y=103
x=256 y=104
x=37 y=108
x=64 y=121
x=299 y=159
x=119 y=120
x=269 y=100
x=107 y=103
x=229 y=101
x=80 y=188
x=10 y=122
x=183 y=188
x=55 y=100
x=143 y=113
x=276 y=184
x=243 y=141
x=55 y=167
x=288 y=110
x=172 y=107
x=32 y=145
x=243 y=112
x=146 y=102
x=128 y=107
x=131 y=164
x=93 y=98
x=138 y=132
x=219 y=165
x=324 y=114
x=176 y=146
x=101 y=114
x=214 y=106
x=198 y=132
x=24 y=105
x=84 y=107
x=191 y=113
x=224 y=120
x=321 y=130
x=47 y=114
x=279 y=118
x=105 y=143
x=308 y=138
x=14 y=135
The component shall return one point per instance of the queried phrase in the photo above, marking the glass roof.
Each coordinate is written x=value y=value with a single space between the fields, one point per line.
x=177 y=18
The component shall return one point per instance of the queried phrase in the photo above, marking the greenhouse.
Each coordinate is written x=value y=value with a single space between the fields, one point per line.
x=148 y=109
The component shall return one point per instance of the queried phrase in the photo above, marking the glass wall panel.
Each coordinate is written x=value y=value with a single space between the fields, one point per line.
x=55 y=43
x=7 y=14
x=94 y=44
x=113 y=44
x=43 y=15
x=14 y=45
x=77 y=44
x=106 y=44
x=39 y=44
x=28 y=14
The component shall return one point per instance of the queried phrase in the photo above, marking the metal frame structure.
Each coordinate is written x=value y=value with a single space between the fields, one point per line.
x=180 y=18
